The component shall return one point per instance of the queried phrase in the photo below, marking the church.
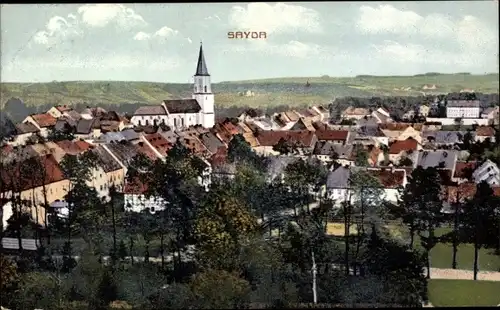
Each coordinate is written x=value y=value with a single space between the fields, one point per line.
x=182 y=113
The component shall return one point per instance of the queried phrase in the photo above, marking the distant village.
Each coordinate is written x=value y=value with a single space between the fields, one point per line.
x=355 y=138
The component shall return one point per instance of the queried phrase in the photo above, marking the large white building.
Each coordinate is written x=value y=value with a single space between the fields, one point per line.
x=463 y=109
x=182 y=113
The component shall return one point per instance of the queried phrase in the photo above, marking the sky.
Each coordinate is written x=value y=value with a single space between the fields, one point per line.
x=160 y=42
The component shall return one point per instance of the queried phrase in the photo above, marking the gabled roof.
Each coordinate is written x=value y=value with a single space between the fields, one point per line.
x=23 y=128
x=328 y=148
x=181 y=106
x=151 y=110
x=271 y=138
x=85 y=126
x=44 y=120
x=485 y=131
x=464 y=170
x=332 y=135
x=73 y=147
x=339 y=178
x=145 y=149
x=105 y=160
x=159 y=143
x=20 y=177
x=124 y=151
x=389 y=178
x=428 y=159
x=407 y=145
x=211 y=142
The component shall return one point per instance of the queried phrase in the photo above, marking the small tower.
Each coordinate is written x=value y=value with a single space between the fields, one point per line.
x=202 y=92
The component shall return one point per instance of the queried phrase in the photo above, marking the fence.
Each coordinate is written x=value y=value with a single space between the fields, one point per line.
x=26 y=244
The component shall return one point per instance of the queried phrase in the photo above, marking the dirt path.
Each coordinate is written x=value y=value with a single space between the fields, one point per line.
x=460 y=274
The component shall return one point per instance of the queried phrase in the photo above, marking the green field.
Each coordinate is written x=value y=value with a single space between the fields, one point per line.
x=456 y=293
x=442 y=254
x=266 y=92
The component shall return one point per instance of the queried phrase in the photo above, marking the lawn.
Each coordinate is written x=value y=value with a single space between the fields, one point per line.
x=456 y=293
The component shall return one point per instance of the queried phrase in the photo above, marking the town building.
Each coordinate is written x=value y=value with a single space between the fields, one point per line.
x=463 y=109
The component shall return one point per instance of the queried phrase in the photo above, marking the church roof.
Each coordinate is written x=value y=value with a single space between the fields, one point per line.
x=182 y=106
x=201 y=68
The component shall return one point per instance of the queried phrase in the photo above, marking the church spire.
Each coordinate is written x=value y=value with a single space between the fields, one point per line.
x=201 y=68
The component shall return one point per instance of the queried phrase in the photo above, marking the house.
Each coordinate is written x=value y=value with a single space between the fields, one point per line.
x=402 y=148
x=223 y=171
x=170 y=136
x=338 y=184
x=324 y=113
x=463 y=109
x=400 y=131
x=392 y=180
x=90 y=113
x=424 y=110
x=211 y=142
x=59 y=110
x=487 y=171
x=381 y=115
x=191 y=141
x=463 y=171
x=441 y=159
x=74 y=147
x=11 y=154
x=355 y=113
x=159 y=143
x=327 y=151
x=370 y=135
x=303 y=124
x=225 y=131
x=304 y=141
x=112 y=171
x=148 y=150
x=335 y=136
x=491 y=113
x=484 y=132
x=44 y=122
x=68 y=121
x=39 y=186
x=250 y=114
x=136 y=199
x=47 y=148
x=444 y=138
x=123 y=152
x=23 y=132
x=87 y=129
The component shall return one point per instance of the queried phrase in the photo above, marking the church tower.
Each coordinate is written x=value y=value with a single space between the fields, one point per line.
x=203 y=92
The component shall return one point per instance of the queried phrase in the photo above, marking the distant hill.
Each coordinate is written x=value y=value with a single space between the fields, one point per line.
x=264 y=92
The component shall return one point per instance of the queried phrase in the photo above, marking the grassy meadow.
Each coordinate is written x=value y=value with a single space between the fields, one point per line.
x=265 y=92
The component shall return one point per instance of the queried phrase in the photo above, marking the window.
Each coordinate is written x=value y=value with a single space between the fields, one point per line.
x=175 y=122
x=101 y=188
x=205 y=88
x=147 y=123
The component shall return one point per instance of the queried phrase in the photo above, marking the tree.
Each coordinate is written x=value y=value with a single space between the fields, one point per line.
x=220 y=289
x=422 y=207
x=361 y=156
x=406 y=162
x=58 y=135
x=478 y=215
x=222 y=223
x=107 y=290
x=239 y=150
x=9 y=277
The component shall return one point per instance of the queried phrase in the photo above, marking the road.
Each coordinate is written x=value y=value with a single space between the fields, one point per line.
x=461 y=274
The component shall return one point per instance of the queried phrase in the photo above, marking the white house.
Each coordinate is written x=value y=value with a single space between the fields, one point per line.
x=135 y=199
x=488 y=172
x=463 y=109
x=183 y=113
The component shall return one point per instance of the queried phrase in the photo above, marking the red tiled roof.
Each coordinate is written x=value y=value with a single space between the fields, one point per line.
x=463 y=170
x=219 y=157
x=20 y=178
x=389 y=178
x=332 y=135
x=73 y=147
x=159 y=143
x=399 y=146
x=146 y=150
x=135 y=187
x=485 y=131
x=394 y=126
x=464 y=190
x=7 y=149
x=271 y=138
x=44 y=119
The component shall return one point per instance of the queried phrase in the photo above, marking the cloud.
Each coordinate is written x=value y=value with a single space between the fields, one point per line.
x=58 y=28
x=469 y=31
x=279 y=17
x=102 y=15
x=162 y=35
x=415 y=53
x=88 y=16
